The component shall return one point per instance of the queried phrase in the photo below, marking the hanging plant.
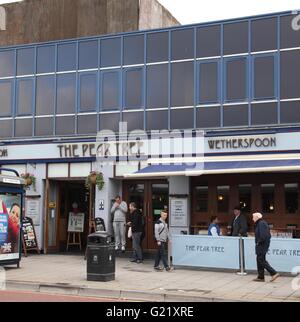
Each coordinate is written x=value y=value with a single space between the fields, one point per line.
x=30 y=180
x=95 y=178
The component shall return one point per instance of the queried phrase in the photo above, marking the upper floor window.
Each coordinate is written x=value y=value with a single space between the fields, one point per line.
x=67 y=57
x=6 y=97
x=289 y=35
x=25 y=92
x=7 y=65
x=45 y=59
x=236 y=38
x=264 y=34
x=66 y=94
x=110 y=93
x=88 y=90
x=157 y=47
x=88 y=54
x=25 y=61
x=110 y=52
x=133 y=88
x=208 y=82
x=45 y=95
x=133 y=50
x=209 y=41
x=183 y=44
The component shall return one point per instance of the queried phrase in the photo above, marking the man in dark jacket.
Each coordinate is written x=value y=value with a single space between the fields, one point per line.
x=262 y=244
x=239 y=225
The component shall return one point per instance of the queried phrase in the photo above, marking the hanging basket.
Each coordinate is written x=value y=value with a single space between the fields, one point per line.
x=95 y=179
x=28 y=182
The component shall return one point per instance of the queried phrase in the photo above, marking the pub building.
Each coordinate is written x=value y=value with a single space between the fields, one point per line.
x=236 y=80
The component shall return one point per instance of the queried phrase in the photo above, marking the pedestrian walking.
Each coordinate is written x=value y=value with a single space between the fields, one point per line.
x=262 y=244
x=214 y=228
x=119 y=211
x=162 y=238
x=239 y=226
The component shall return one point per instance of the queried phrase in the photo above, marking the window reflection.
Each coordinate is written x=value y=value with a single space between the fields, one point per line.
x=268 y=198
x=291 y=198
x=88 y=92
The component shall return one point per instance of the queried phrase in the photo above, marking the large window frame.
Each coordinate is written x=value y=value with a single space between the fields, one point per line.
x=143 y=103
x=90 y=109
x=102 y=75
x=32 y=93
x=12 y=93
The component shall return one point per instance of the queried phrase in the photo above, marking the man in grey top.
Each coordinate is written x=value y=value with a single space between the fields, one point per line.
x=119 y=211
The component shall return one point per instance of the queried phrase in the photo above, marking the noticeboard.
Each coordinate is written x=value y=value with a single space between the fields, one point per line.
x=178 y=212
x=76 y=222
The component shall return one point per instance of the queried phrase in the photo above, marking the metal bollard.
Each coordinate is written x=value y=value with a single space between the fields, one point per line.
x=242 y=258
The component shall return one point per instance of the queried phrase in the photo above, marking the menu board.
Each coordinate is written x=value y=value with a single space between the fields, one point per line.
x=178 y=212
x=28 y=233
x=76 y=222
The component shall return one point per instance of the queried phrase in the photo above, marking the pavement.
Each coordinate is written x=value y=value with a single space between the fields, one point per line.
x=66 y=275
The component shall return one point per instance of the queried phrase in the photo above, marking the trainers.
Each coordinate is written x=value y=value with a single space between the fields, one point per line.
x=158 y=269
x=259 y=280
x=123 y=249
x=168 y=269
x=139 y=262
x=116 y=248
x=274 y=277
x=133 y=261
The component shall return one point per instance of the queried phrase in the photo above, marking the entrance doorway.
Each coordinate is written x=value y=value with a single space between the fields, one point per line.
x=151 y=198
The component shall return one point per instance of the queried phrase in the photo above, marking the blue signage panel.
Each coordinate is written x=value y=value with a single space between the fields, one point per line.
x=206 y=251
x=283 y=255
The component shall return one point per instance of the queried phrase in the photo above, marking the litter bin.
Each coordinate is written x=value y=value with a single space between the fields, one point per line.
x=100 y=257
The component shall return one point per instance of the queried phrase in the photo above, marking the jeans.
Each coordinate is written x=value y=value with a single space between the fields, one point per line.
x=120 y=233
x=161 y=255
x=136 y=245
x=263 y=265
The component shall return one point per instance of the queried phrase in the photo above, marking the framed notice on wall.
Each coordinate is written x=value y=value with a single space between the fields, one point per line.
x=178 y=212
x=33 y=210
x=76 y=222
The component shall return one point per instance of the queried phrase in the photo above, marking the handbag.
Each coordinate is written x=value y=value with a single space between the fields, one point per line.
x=129 y=234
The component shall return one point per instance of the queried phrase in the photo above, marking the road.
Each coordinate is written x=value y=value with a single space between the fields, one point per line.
x=21 y=296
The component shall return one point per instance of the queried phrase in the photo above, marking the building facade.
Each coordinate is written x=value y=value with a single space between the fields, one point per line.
x=236 y=80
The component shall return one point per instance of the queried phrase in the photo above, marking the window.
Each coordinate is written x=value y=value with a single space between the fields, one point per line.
x=133 y=88
x=289 y=35
x=7 y=65
x=208 y=82
x=264 y=80
x=110 y=52
x=209 y=41
x=45 y=59
x=208 y=117
x=291 y=198
x=45 y=95
x=290 y=112
x=264 y=34
x=236 y=38
x=87 y=124
x=236 y=79
x=110 y=90
x=201 y=198
x=88 y=92
x=182 y=84
x=44 y=126
x=157 y=120
x=223 y=199
x=264 y=114
x=290 y=74
x=25 y=61
x=135 y=120
x=157 y=86
x=88 y=54
x=67 y=57
x=245 y=196
x=157 y=47
x=65 y=125
x=182 y=119
x=6 y=97
x=183 y=44
x=23 y=127
x=268 y=198
x=66 y=91
x=6 y=127
x=235 y=115
x=133 y=50
x=24 y=96
x=110 y=122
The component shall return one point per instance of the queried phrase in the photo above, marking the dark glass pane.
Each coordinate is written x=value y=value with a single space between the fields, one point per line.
x=268 y=198
x=45 y=95
x=182 y=119
x=201 y=196
x=66 y=57
x=208 y=83
x=110 y=122
x=66 y=94
x=135 y=121
x=289 y=34
x=65 y=125
x=182 y=44
x=110 y=52
x=44 y=126
x=24 y=96
x=133 y=88
x=45 y=59
x=158 y=47
x=236 y=38
x=157 y=86
x=110 y=90
x=209 y=41
x=264 y=77
x=245 y=196
x=264 y=114
x=23 y=127
x=223 y=199
x=291 y=198
x=157 y=120
x=88 y=92
x=182 y=84
x=7 y=64
x=290 y=74
x=6 y=128
x=87 y=124
x=290 y=112
x=236 y=80
x=88 y=54
x=25 y=61
x=6 y=88
x=236 y=115
x=208 y=117
x=133 y=50
x=264 y=34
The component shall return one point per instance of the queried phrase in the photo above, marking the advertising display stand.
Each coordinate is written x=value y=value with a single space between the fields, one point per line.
x=11 y=205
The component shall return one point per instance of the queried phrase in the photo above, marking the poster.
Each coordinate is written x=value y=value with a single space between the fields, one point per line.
x=28 y=233
x=178 y=212
x=10 y=218
x=32 y=210
x=76 y=222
